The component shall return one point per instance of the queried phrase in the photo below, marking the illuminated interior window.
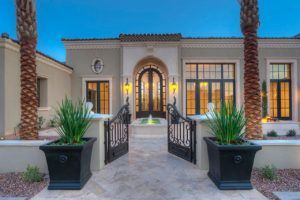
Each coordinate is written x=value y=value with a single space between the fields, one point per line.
x=280 y=91
x=211 y=83
x=191 y=98
x=97 y=92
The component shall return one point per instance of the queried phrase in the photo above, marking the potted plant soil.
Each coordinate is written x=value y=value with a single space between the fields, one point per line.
x=230 y=156
x=69 y=157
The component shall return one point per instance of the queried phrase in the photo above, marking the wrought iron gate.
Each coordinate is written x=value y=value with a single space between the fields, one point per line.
x=116 y=134
x=181 y=135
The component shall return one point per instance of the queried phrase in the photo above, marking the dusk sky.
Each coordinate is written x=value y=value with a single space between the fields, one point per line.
x=107 y=18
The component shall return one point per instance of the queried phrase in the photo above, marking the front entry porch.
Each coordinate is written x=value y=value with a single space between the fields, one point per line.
x=149 y=172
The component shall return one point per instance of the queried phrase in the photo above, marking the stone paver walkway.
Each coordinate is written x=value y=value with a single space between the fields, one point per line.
x=149 y=172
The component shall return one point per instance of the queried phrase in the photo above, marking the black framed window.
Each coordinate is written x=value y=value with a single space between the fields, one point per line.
x=97 y=92
x=280 y=91
x=205 y=83
x=42 y=91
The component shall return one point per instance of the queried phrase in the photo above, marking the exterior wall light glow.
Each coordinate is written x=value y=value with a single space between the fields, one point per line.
x=174 y=86
x=127 y=86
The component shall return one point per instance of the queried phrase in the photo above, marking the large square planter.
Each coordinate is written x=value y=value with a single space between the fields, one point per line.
x=230 y=166
x=68 y=165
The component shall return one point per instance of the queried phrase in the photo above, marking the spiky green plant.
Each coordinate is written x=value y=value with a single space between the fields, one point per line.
x=227 y=124
x=73 y=121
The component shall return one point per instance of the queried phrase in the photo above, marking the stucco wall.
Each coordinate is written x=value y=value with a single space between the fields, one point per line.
x=58 y=86
x=1 y=91
x=58 y=79
x=81 y=60
x=12 y=90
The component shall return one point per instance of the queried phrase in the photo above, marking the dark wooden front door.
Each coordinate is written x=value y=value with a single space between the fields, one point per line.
x=150 y=95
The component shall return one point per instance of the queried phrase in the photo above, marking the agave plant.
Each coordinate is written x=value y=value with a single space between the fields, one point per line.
x=227 y=124
x=73 y=121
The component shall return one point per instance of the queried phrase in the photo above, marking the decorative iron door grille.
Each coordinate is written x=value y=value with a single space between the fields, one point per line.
x=181 y=135
x=116 y=135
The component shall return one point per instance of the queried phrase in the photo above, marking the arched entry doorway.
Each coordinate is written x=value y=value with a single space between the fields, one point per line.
x=150 y=92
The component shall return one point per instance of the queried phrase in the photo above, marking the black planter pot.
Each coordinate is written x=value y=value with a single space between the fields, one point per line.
x=230 y=166
x=68 y=165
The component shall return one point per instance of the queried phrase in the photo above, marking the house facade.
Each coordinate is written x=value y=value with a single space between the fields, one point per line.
x=203 y=70
x=152 y=69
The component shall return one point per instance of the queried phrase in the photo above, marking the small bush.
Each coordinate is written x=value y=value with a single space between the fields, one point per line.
x=53 y=122
x=40 y=122
x=272 y=133
x=269 y=172
x=291 y=133
x=32 y=174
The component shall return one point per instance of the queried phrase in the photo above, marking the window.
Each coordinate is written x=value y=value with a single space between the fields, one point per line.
x=42 y=92
x=207 y=83
x=280 y=91
x=97 y=92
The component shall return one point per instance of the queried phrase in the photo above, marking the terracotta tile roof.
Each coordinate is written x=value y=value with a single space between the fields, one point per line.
x=150 y=37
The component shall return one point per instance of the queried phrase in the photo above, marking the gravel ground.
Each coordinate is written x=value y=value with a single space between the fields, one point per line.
x=287 y=180
x=13 y=185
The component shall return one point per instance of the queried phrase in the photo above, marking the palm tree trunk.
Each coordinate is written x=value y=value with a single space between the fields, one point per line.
x=26 y=27
x=252 y=95
x=249 y=25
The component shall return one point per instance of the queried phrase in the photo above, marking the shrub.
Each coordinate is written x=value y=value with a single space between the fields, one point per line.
x=73 y=120
x=40 y=122
x=269 y=172
x=291 y=133
x=32 y=174
x=53 y=122
x=227 y=124
x=272 y=133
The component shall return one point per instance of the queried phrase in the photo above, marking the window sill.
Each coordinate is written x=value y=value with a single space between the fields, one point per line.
x=44 y=108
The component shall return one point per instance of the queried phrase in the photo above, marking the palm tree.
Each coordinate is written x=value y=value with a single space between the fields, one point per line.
x=249 y=25
x=26 y=29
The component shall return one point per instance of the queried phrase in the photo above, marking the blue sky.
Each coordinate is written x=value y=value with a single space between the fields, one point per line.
x=108 y=18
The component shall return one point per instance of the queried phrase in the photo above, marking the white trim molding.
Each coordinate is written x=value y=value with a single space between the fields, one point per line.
x=237 y=62
x=97 y=78
x=92 y=44
x=44 y=108
x=13 y=46
x=294 y=80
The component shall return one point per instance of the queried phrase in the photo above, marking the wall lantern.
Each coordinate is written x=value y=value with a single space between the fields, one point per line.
x=174 y=86
x=127 y=86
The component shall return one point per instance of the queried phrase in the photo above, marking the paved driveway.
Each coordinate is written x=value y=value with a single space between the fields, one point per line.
x=149 y=172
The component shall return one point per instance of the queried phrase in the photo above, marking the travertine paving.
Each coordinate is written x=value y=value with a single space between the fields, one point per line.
x=149 y=172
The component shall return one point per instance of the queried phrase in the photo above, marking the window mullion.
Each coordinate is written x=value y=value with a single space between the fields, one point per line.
x=197 y=82
x=98 y=97
x=279 y=98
